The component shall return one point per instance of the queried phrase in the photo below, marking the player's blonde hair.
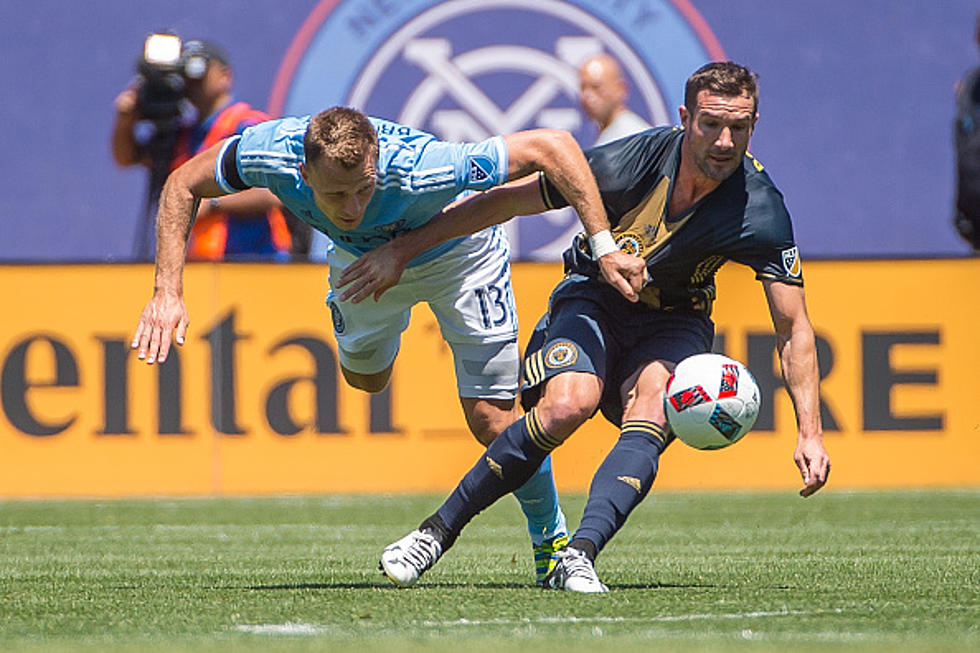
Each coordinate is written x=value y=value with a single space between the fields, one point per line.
x=340 y=134
x=723 y=78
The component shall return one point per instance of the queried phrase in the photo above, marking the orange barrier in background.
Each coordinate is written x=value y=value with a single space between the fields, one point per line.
x=254 y=402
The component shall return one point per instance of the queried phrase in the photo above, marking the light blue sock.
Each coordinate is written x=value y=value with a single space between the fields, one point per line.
x=539 y=501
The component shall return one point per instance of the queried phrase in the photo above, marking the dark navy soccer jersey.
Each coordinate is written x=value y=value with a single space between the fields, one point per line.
x=743 y=220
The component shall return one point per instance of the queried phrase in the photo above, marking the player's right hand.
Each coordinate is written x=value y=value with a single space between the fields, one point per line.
x=627 y=273
x=814 y=464
x=372 y=273
x=161 y=316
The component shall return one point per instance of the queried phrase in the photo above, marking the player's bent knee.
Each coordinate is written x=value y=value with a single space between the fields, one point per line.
x=372 y=383
x=569 y=400
x=563 y=415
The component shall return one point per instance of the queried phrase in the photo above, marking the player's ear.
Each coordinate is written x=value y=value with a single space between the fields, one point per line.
x=684 y=114
x=302 y=173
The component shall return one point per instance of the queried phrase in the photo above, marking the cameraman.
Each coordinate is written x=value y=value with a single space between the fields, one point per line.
x=250 y=224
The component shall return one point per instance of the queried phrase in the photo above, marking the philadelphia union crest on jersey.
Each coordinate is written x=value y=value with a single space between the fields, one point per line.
x=466 y=70
x=561 y=354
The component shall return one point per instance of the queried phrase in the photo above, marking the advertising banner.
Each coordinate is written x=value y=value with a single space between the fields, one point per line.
x=254 y=401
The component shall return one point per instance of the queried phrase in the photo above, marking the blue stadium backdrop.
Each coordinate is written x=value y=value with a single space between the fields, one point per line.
x=856 y=107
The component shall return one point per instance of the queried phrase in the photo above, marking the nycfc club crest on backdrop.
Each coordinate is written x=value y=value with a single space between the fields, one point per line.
x=467 y=69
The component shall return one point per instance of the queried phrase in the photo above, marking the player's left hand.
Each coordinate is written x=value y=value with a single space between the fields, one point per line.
x=626 y=273
x=814 y=464
x=372 y=273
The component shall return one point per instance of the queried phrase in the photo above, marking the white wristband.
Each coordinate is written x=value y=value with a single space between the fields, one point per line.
x=602 y=243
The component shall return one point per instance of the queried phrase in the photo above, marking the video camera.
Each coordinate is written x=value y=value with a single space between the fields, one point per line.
x=164 y=68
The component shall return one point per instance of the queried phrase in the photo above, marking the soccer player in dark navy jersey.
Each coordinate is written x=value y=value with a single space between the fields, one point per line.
x=686 y=201
x=743 y=219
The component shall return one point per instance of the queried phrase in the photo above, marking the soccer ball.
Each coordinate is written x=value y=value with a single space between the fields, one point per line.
x=711 y=401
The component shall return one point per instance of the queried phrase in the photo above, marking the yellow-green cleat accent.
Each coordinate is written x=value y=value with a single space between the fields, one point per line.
x=546 y=555
x=574 y=573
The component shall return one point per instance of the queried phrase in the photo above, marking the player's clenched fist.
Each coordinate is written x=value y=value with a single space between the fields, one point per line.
x=161 y=316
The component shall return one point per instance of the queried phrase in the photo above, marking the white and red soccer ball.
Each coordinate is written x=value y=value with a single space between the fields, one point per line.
x=711 y=401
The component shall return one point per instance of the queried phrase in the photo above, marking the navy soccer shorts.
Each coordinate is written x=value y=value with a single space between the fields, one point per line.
x=591 y=328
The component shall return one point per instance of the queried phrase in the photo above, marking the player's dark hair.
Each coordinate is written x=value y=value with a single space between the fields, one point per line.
x=723 y=78
x=340 y=134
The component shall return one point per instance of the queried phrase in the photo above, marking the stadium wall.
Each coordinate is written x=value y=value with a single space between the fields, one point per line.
x=254 y=402
x=856 y=111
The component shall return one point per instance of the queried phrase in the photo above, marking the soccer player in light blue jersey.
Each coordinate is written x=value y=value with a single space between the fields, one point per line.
x=362 y=181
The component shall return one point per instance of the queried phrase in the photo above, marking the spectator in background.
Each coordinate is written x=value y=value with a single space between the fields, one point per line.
x=248 y=225
x=603 y=94
x=967 y=137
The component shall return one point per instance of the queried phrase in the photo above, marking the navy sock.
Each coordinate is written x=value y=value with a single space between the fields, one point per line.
x=584 y=545
x=622 y=481
x=510 y=460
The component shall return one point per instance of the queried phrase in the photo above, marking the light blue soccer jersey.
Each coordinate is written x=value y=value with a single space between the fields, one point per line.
x=418 y=175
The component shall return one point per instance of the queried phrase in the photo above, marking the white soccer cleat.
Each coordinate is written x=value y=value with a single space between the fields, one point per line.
x=574 y=573
x=408 y=558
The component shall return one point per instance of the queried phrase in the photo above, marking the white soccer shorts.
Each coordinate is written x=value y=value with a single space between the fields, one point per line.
x=468 y=289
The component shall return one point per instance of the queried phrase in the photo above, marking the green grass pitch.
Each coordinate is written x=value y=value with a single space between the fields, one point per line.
x=842 y=571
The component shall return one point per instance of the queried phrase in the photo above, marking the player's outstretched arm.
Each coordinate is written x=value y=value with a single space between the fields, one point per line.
x=381 y=268
x=558 y=156
x=550 y=151
x=165 y=315
x=798 y=358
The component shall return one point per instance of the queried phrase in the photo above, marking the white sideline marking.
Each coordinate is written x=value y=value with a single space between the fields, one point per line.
x=308 y=630
x=613 y=620
x=288 y=628
x=304 y=629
